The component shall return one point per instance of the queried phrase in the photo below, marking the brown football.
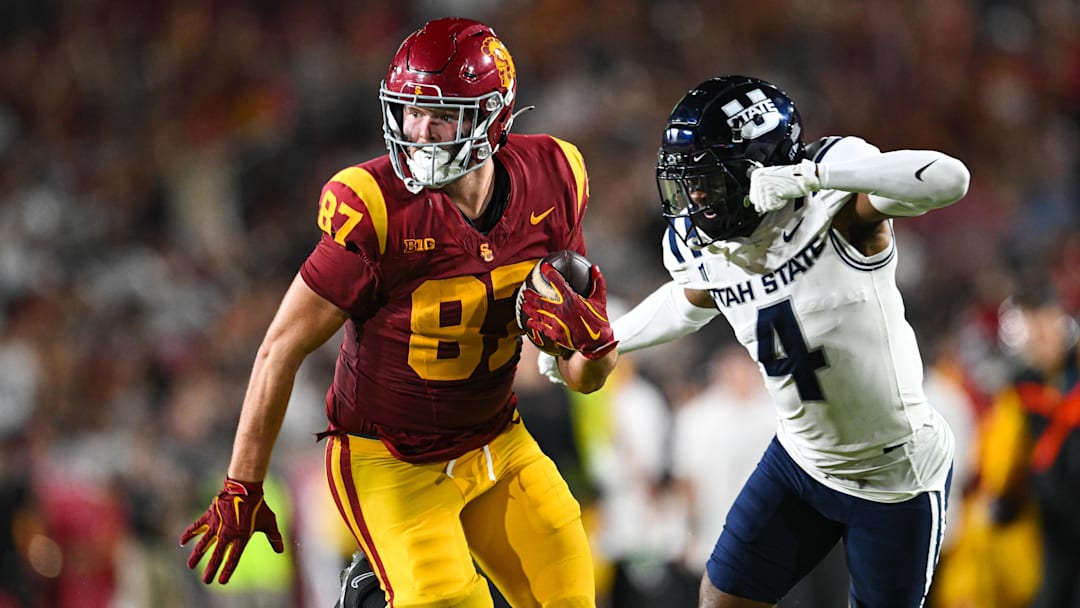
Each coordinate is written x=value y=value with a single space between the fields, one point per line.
x=570 y=264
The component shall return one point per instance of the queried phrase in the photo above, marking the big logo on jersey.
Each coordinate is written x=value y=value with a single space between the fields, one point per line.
x=744 y=119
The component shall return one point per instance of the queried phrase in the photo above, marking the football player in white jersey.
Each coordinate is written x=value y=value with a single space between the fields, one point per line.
x=795 y=246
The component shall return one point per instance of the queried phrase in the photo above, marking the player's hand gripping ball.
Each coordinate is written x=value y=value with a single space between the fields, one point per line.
x=562 y=306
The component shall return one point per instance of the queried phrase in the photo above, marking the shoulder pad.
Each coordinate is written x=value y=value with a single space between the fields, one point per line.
x=577 y=166
x=836 y=148
x=352 y=210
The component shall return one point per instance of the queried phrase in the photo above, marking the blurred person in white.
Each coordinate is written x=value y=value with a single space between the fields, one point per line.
x=794 y=245
x=625 y=428
x=944 y=387
x=20 y=511
x=717 y=440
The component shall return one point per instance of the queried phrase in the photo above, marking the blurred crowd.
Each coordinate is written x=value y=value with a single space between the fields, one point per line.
x=160 y=164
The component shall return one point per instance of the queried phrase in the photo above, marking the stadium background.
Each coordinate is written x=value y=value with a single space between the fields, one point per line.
x=160 y=164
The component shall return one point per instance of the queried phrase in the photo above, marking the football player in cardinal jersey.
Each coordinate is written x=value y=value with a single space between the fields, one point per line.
x=796 y=248
x=421 y=254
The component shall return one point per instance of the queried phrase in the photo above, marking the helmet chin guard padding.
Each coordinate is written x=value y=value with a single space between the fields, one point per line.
x=460 y=67
x=718 y=132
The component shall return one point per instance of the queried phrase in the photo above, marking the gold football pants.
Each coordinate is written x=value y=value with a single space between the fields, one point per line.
x=422 y=525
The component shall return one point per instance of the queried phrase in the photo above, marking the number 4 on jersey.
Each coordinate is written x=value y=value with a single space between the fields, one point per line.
x=783 y=351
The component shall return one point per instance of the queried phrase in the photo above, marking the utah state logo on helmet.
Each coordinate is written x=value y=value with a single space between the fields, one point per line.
x=718 y=132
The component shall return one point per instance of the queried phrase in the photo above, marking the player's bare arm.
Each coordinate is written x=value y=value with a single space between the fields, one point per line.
x=303 y=322
x=587 y=375
x=699 y=298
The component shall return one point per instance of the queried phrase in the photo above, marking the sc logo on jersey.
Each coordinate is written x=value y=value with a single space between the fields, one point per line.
x=754 y=121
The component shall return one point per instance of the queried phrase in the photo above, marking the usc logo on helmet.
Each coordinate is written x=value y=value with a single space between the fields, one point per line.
x=504 y=64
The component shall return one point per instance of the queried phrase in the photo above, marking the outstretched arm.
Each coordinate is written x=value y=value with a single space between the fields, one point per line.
x=666 y=314
x=901 y=183
x=302 y=323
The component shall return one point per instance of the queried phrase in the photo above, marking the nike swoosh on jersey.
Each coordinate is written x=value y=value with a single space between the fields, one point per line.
x=535 y=219
x=918 y=174
x=789 y=234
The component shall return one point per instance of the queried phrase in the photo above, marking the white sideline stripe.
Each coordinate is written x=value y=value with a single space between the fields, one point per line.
x=937 y=532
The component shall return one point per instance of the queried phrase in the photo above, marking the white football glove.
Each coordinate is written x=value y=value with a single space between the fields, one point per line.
x=772 y=187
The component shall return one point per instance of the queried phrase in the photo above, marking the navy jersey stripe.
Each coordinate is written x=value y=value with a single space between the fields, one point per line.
x=688 y=228
x=846 y=257
x=821 y=153
x=677 y=244
x=673 y=244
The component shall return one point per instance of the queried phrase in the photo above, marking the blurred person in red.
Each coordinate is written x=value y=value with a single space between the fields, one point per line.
x=422 y=253
x=84 y=527
x=1035 y=426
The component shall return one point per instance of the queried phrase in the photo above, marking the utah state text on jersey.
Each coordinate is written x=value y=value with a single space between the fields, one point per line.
x=787 y=273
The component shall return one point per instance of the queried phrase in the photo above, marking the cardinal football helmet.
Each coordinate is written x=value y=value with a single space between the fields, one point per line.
x=457 y=66
x=718 y=132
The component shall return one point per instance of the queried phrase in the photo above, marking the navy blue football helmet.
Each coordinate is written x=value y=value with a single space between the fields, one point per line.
x=718 y=132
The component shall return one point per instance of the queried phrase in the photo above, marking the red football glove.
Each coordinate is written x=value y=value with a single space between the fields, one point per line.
x=571 y=320
x=236 y=513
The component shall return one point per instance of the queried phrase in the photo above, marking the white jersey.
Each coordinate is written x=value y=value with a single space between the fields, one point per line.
x=826 y=326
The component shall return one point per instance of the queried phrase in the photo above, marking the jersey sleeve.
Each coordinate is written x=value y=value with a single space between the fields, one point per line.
x=343 y=268
x=580 y=187
x=835 y=149
x=345 y=278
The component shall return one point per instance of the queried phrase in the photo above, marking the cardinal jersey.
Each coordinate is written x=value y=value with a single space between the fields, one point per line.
x=826 y=326
x=431 y=346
